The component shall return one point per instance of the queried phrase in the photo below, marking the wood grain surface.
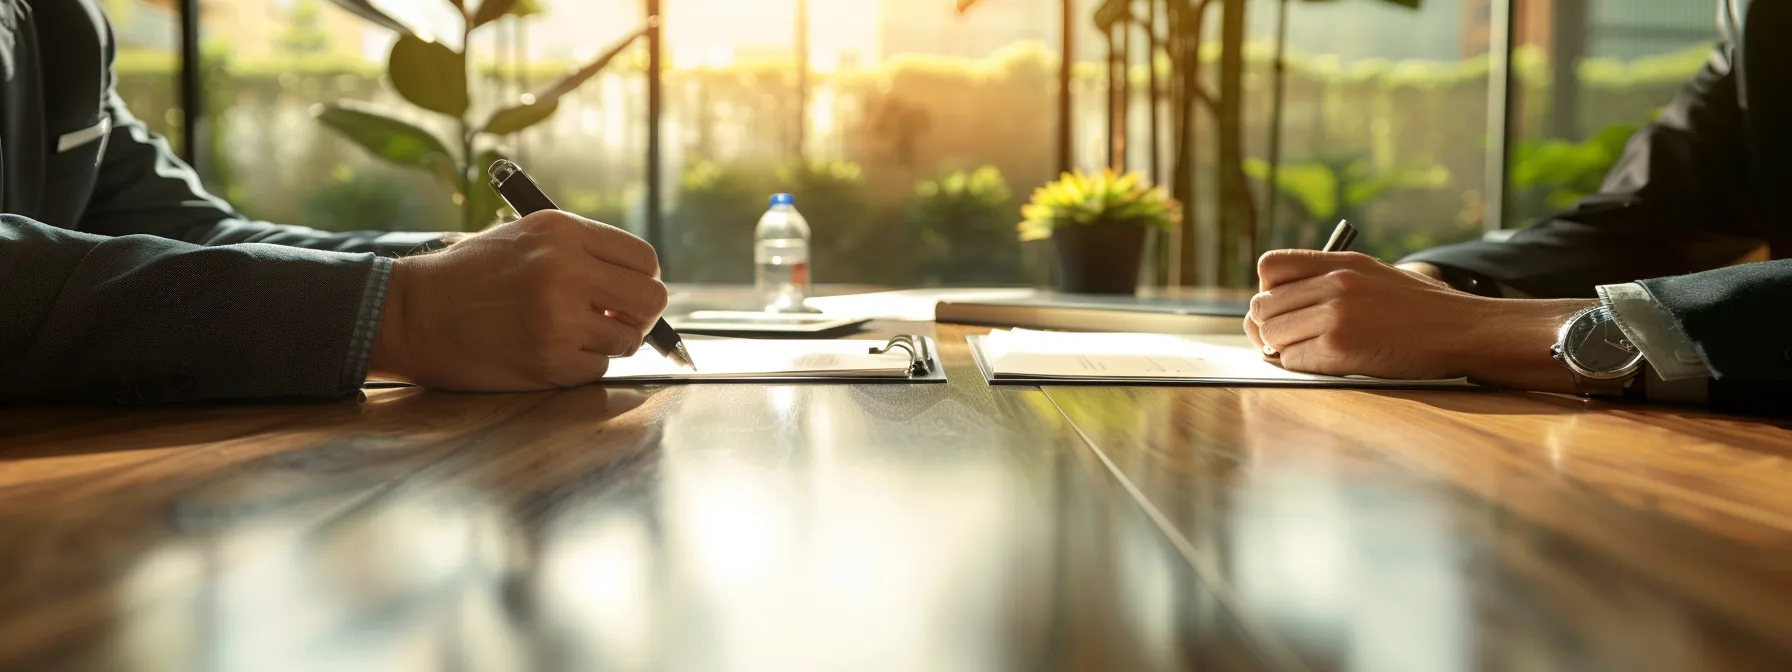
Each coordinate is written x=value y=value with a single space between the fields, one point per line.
x=896 y=527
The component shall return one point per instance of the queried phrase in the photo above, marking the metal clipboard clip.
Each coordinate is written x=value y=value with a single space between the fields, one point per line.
x=920 y=354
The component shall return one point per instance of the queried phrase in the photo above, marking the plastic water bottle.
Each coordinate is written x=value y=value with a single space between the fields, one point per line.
x=781 y=254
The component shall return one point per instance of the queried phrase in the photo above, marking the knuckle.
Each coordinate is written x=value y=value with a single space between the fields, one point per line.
x=1257 y=305
x=658 y=297
x=651 y=261
x=1345 y=279
x=538 y=222
x=1271 y=260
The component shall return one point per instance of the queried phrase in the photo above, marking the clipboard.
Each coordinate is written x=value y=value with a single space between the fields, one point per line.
x=986 y=367
x=921 y=353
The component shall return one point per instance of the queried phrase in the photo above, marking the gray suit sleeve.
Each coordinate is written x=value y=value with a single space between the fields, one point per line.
x=143 y=188
x=143 y=319
x=1677 y=202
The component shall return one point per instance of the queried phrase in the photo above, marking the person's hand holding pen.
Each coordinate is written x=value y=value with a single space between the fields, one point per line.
x=537 y=303
x=1345 y=313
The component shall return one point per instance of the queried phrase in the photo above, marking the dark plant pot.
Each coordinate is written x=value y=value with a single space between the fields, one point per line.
x=1099 y=259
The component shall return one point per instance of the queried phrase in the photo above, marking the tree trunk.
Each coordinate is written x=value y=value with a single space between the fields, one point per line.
x=1184 y=51
x=1238 y=211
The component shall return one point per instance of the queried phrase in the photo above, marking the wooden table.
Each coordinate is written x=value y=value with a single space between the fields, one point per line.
x=896 y=527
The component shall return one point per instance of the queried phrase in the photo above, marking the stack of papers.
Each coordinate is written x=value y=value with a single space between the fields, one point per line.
x=760 y=359
x=1032 y=357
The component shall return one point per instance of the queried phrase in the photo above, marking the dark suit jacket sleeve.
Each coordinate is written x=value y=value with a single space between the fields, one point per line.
x=1738 y=319
x=144 y=188
x=142 y=319
x=1675 y=203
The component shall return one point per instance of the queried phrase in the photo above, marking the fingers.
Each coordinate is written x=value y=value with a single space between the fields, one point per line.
x=609 y=337
x=598 y=240
x=1290 y=297
x=578 y=368
x=1252 y=331
x=638 y=300
x=1280 y=267
x=1290 y=329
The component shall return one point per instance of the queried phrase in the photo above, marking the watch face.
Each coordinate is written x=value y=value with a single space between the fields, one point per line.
x=1597 y=344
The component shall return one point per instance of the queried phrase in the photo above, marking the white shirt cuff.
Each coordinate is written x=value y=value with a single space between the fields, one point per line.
x=1649 y=326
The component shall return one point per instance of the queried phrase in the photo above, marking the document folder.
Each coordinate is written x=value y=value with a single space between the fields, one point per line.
x=908 y=358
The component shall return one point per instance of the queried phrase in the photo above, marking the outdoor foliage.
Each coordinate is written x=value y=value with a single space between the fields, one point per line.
x=1559 y=172
x=719 y=204
x=274 y=162
x=964 y=222
x=434 y=77
x=1329 y=188
x=370 y=200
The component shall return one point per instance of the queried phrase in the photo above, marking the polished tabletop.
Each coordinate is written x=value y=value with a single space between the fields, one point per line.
x=952 y=526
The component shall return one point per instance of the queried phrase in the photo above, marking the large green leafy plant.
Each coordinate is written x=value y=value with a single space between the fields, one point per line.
x=434 y=77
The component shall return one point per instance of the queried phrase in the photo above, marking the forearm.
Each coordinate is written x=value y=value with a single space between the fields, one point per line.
x=1508 y=345
x=147 y=320
x=382 y=243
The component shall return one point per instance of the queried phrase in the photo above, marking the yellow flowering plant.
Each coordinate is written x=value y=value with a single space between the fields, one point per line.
x=1097 y=199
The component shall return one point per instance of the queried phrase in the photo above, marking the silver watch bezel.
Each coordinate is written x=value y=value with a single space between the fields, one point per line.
x=1566 y=356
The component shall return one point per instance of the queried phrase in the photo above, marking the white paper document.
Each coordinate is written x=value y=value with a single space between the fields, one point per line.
x=746 y=359
x=915 y=305
x=1019 y=354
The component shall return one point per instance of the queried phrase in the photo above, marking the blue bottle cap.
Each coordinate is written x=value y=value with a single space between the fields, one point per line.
x=783 y=199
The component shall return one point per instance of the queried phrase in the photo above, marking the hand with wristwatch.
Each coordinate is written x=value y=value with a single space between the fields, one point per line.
x=1601 y=358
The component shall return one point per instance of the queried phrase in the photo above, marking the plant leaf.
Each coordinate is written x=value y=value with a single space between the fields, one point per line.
x=492 y=10
x=539 y=105
x=384 y=136
x=526 y=8
x=366 y=10
x=513 y=119
x=430 y=75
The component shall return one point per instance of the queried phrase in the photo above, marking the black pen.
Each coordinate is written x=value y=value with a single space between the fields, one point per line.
x=526 y=198
x=1342 y=237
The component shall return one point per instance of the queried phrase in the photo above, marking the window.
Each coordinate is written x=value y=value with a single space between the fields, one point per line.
x=1384 y=122
x=1594 y=72
x=915 y=131
x=148 y=61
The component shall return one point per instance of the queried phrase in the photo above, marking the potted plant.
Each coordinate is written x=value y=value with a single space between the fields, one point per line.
x=1098 y=224
x=435 y=77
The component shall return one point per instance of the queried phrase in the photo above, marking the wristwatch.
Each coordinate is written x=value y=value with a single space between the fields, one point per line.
x=1603 y=361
